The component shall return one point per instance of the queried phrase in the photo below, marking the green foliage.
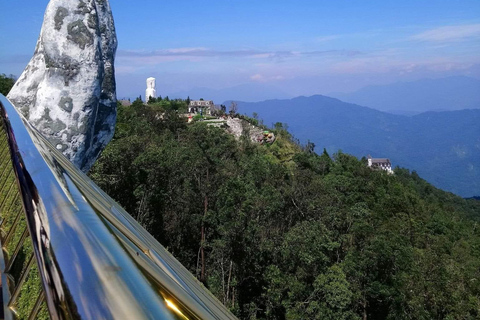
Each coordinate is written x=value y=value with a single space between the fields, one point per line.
x=164 y=104
x=29 y=293
x=280 y=232
x=198 y=117
x=6 y=83
x=151 y=100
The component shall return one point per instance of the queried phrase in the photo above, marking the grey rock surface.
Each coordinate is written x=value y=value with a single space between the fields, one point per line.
x=237 y=127
x=67 y=91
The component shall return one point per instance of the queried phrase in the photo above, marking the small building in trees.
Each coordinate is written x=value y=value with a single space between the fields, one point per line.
x=380 y=164
x=195 y=106
x=125 y=102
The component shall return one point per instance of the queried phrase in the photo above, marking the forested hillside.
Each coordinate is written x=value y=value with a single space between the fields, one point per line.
x=281 y=232
x=443 y=147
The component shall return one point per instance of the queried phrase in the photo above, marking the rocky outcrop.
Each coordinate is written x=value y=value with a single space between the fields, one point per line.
x=67 y=91
x=239 y=127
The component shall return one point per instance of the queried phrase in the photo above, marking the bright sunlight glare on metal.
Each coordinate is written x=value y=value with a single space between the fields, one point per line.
x=172 y=306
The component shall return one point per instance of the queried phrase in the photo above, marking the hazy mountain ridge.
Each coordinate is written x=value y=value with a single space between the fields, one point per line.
x=245 y=92
x=443 y=147
x=451 y=93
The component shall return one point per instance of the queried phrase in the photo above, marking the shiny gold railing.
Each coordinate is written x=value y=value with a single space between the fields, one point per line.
x=70 y=252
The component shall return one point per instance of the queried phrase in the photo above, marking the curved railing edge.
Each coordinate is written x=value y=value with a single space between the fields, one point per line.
x=201 y=303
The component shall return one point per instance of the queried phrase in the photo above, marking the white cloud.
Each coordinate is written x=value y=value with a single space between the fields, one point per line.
x=257 y=77
x=450 y=33
x=188 y=53
x=260 y=78
x=186 y=50
x=384 y=64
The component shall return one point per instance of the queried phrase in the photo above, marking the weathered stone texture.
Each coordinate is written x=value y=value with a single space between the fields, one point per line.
x=67 y=91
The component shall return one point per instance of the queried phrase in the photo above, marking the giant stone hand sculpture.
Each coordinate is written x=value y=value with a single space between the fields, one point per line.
x=67 y=91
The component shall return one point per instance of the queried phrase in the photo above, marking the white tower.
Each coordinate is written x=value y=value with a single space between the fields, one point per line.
x=150 y=92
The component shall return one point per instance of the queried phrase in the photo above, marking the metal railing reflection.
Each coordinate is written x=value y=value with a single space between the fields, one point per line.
x=70 y=252
x=21 y=286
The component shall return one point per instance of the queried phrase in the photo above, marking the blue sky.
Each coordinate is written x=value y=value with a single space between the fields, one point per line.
x=297 y=47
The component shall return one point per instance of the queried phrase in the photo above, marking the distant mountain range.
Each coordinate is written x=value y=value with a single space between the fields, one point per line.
x=443 y=147
x=452 y=93
x=244 y=92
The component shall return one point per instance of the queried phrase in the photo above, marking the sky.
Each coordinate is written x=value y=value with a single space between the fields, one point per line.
x=279 y=47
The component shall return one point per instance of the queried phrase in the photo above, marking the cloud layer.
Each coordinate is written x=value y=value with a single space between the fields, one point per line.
x=327 y=63
x=450 y=33
x=211 y=53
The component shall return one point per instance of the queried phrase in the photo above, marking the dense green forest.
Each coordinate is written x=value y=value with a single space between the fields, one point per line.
x=281 y=232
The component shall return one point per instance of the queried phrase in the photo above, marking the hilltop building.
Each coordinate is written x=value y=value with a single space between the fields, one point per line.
x=125 y=102
x=380 y=164
x=150 y=92
x=196 y=105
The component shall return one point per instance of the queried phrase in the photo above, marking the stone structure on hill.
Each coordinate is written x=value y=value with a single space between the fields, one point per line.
x=205 y=105
x=380 y=164
x=150 y=92
x=239 y=127
x=67 y=90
